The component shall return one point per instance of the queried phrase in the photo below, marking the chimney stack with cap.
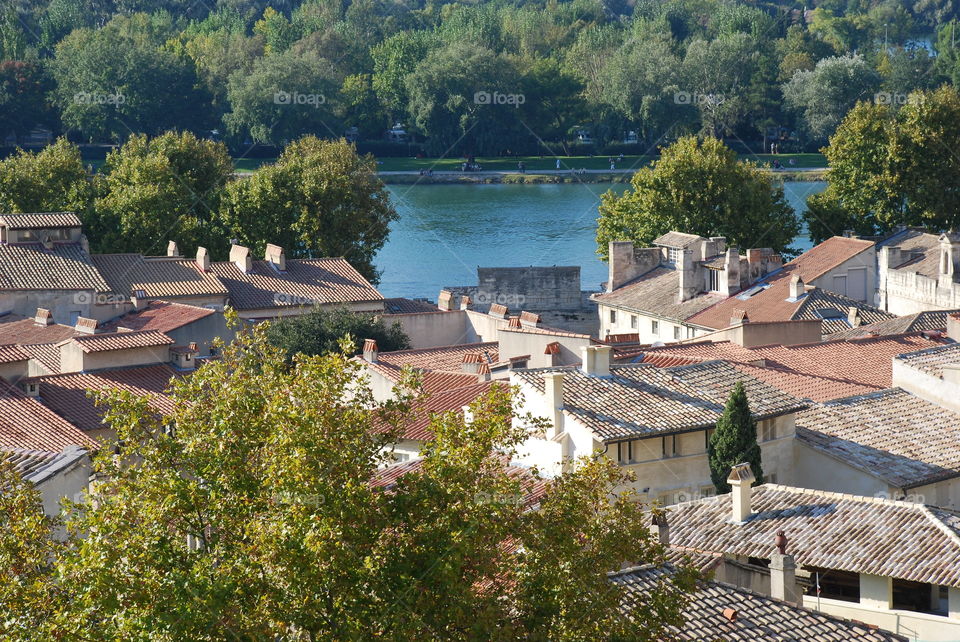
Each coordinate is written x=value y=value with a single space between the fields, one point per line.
x=662 y=527
x=240 y=256
x=465 y=302
x=275 y=256
x=43 y=317
x=85 y=325
x=553 y=390
x=741 y=480
x=446 y=300
x=783 y=572
x=370 y=351
x=173 y=249
x=203 y=259
x=595 y=360
x=853 y=316
x=797 y=288
x=739 y=317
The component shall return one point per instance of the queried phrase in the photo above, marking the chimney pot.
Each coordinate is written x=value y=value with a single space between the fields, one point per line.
x=43 y=317
x=783 y=572
x=370 y=351
x=730 y=614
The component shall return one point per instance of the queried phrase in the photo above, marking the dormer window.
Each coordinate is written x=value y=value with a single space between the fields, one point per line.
x=713 y=280
x=674 y=255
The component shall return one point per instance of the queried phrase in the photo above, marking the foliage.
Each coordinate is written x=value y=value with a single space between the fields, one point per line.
x=320 y=199
x=699 y=187
x=247 y=513
x=734 y=441
x=322 y=331
x=160 y=189
x=50 y=180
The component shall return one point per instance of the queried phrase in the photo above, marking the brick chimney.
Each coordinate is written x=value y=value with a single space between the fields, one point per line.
x=797 y=288
x=43 y=317
x=853 y=316
x=553 y=391
x=783 y=573
x=85 y=325
x=240 y=256
x=203 y=259
x=172 y=249
x=595 y=360
x=275 y=256
x=741 y=479
x=370 y=351
x=689 y=287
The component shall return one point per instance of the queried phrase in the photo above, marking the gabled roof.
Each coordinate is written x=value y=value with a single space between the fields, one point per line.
x=770 y=303
x=656 y=293
x=932 y=360
x=931 y=320
x=159 y=277
x=920 y=251
x=121 y=341
x=759 y=618
x=304 y=282
x=452 y=400
x=66 y=394
x=678 y=239
x=643 y=401
x=39 y=220
x=28 y=266
x=445 y=358
x=15 y=329
x=163 y=316
x=829 y=530
x=891 y=434
x=26 y=423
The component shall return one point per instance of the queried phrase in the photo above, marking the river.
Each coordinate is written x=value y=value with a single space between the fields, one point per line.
x=446 y=231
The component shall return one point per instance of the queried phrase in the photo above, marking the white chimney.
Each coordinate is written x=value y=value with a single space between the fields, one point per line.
x=797 y=288
x=203 y=259
x=741 y=478
x=172 y=249
x=446 y=300
x=783 y=573
x=596 y=360
x=275 y=256
x=85 y=325
x=240 y=256
x=370 y=351
x=853 y=316
x=662 y=527
x=465 y=302
x=553 y=391
x=43 y=317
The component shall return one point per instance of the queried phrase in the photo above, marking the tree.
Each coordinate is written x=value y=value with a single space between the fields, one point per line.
x=52 y=179
x=321 y=332
x=824 y=95
x=319 y=199
x=393 y=60
x=23 y=97
x=715 y=75
x=734 y=441
x=160 y=189
x=247 y=513
x=699 y=188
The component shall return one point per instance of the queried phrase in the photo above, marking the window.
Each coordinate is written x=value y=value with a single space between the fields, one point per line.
x=920 y=597
x=713 y=280
x=625 y=452
x=670 y=446
x=691 y=332
x=655 y=328
x=674 y=255
x=613 y=316
x=835 y=585
x=676 y=332
x=633 y=322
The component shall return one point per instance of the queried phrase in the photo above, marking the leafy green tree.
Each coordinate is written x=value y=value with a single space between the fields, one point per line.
x=715 y=75
x=319 y=199
x=247 y=513
x=285 y=96
x=160 y=189
x=393 y=60
x=120 y=80
x=322 y=331
x=734 y=441
x=52 y=179
x=699 y=187
x=824 y=95
x=23 y=97
x=360 y=107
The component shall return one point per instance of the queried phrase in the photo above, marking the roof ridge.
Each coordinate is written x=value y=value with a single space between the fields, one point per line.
x=446 y=347
x=949 y=532
x=876 y=394
x=863 y=499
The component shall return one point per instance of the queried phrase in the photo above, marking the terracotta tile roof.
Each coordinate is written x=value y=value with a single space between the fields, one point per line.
x=829 y=530
x=17 y=329
x=47 y=354
x=656 y=293
x=678 y=239
x=66 y=394
x=918 y=322
x=39 y=220
x=759 y=618
x=704 y=561
x=445 y=358
x=26 y=423
x=932 y=360
x=432 y=381
x=121 y=341
x=28 y=266
x=546 y=330
x=769 y=299
x=855 y=362
x=162 y=316
x=639 y=400
x=12 y=354
x=305 y=282
x=408 y=306
x=453 y=400
x=158 y=277
x=891 y=434
x=806 y=386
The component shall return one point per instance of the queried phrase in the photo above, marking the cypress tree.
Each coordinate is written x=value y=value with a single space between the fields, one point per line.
x=734 y=441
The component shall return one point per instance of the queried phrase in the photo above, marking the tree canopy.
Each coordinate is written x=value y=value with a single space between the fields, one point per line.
x=321 y=332
x=734 y=441
x=248 y=512
x=699 y=187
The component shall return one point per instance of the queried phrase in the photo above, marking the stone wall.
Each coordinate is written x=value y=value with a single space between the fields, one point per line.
x=530 y=288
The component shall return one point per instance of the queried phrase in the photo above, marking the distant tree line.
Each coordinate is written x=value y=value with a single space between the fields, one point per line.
x=465 y=78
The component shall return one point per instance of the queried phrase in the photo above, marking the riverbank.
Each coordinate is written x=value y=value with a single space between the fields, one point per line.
x=554 y=177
